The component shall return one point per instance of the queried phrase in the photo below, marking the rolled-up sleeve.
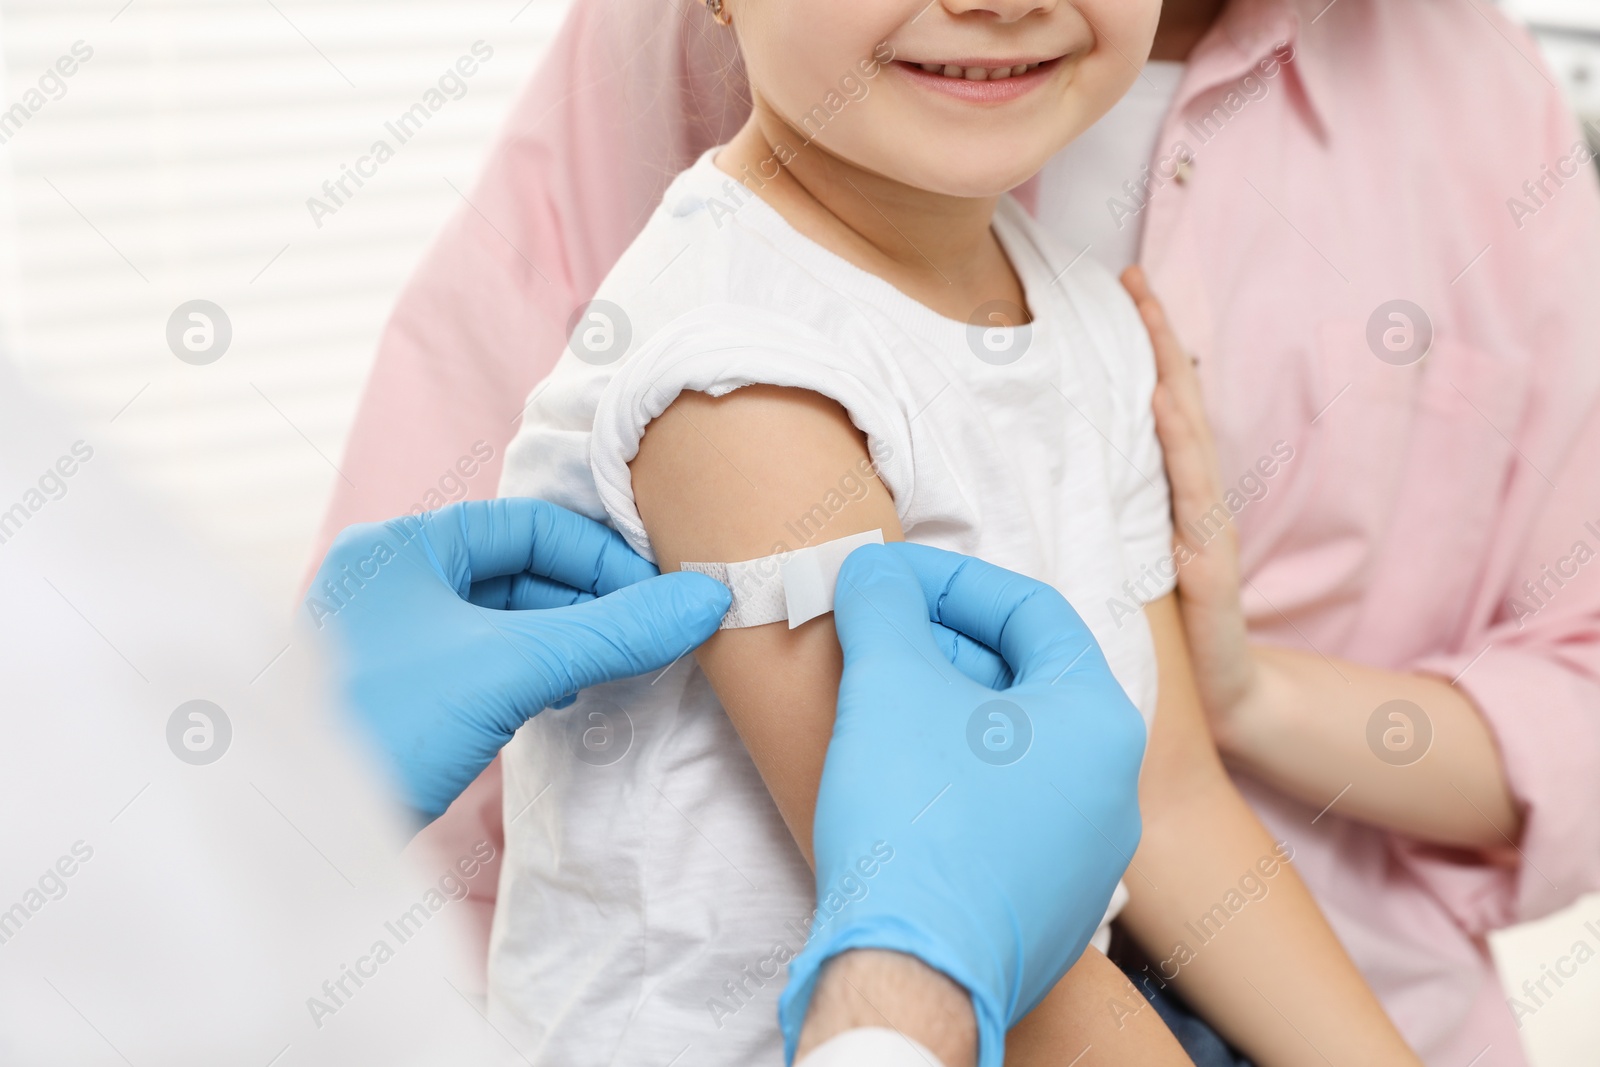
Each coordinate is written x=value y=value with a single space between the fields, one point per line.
x=1533 y=666
x=1543 y=707
x=720 y=348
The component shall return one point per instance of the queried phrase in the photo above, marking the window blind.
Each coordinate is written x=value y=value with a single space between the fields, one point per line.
x=154 y=153
x=1569 y=33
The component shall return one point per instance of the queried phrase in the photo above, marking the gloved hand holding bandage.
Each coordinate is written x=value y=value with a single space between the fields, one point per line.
x=798 y=586
x=795 y=587
x=455 y=627
x=1011 y=813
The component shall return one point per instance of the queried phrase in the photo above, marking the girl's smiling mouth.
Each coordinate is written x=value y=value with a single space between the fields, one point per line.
x=980 y=81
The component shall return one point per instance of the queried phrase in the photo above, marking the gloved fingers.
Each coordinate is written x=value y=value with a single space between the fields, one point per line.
x=977 y=661
x=492 y=593
x=965 y=593
x=1036 y=631
x=1046 y=640
x=644 y=627
x=880 y=612
x=579 y=552
x=524 y=592
x=480 y=539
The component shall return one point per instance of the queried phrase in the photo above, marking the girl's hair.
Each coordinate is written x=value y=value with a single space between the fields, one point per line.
x=714 y=110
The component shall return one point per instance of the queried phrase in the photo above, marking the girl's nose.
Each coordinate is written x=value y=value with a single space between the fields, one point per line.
x=1002 y=10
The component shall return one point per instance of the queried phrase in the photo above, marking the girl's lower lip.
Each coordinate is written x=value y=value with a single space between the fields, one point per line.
x=979 y=92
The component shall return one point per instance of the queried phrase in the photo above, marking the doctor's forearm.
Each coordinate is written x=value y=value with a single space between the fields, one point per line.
x=869 y=988
x=1314 y=731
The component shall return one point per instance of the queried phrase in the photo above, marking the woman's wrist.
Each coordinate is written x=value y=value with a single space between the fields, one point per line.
x=1241 y=728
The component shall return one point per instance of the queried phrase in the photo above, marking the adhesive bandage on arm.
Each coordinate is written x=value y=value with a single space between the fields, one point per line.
x=797 y=586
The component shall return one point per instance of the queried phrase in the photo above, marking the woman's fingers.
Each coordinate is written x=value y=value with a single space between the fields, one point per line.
x=1170 y=356
x=1191 y=471
x=1179 y=409
x=1136 y=283
x=1174 y=367
x=1208 y=571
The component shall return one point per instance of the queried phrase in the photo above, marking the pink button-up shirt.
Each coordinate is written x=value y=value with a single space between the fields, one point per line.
x=1439 y=516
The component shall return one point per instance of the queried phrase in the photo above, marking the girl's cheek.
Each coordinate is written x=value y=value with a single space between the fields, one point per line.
x=1128 y=24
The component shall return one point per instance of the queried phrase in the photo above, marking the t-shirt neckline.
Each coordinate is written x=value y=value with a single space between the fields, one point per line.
x=860 y=285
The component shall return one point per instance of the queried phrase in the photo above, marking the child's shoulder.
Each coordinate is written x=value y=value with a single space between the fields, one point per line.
x=684 y=254
x=1079 y=274
x=712 y=241
x=1080 y=287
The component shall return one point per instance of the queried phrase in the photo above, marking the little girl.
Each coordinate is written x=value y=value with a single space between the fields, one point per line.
x=844 y=289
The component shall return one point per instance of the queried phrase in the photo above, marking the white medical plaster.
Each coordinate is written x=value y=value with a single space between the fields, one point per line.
x=797 y=586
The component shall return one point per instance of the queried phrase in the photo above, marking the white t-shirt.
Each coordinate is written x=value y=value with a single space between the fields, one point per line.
x=651 y=893
x=1078 y=185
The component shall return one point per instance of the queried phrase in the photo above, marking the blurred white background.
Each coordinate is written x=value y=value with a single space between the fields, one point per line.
x=176 y=165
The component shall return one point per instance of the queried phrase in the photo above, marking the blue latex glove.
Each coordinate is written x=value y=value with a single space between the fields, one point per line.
x=980 y=830
x=454 y=628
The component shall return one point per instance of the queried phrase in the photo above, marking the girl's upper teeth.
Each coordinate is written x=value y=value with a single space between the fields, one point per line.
x=978 y=74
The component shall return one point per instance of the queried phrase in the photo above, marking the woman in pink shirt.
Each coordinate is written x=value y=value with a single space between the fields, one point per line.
x=1376 y=235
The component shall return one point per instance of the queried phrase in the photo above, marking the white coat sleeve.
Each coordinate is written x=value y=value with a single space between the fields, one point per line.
x=869 y=1046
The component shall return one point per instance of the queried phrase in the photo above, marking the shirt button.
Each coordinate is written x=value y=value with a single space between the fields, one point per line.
x=1185 y=170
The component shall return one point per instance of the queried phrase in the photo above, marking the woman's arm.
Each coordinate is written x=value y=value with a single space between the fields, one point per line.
x=1298 y=721
x=1228 y=922
x=744 y=476
x=1303 y=729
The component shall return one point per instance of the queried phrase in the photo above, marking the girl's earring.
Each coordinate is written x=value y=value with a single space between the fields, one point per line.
x=718 y=12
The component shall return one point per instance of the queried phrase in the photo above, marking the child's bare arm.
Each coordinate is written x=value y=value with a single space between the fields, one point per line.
x=1094 y=1017
x=1271 y=977
x=720 y=480
x=736 y=478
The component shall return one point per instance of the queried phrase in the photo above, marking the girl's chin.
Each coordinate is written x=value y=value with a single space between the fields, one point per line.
x=976 y=184
x=913 y=164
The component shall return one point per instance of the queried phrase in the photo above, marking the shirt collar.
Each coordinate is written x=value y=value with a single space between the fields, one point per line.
x=1251 y=31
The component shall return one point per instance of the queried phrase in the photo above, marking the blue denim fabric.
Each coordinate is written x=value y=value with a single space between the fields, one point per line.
x=1203 y=1044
